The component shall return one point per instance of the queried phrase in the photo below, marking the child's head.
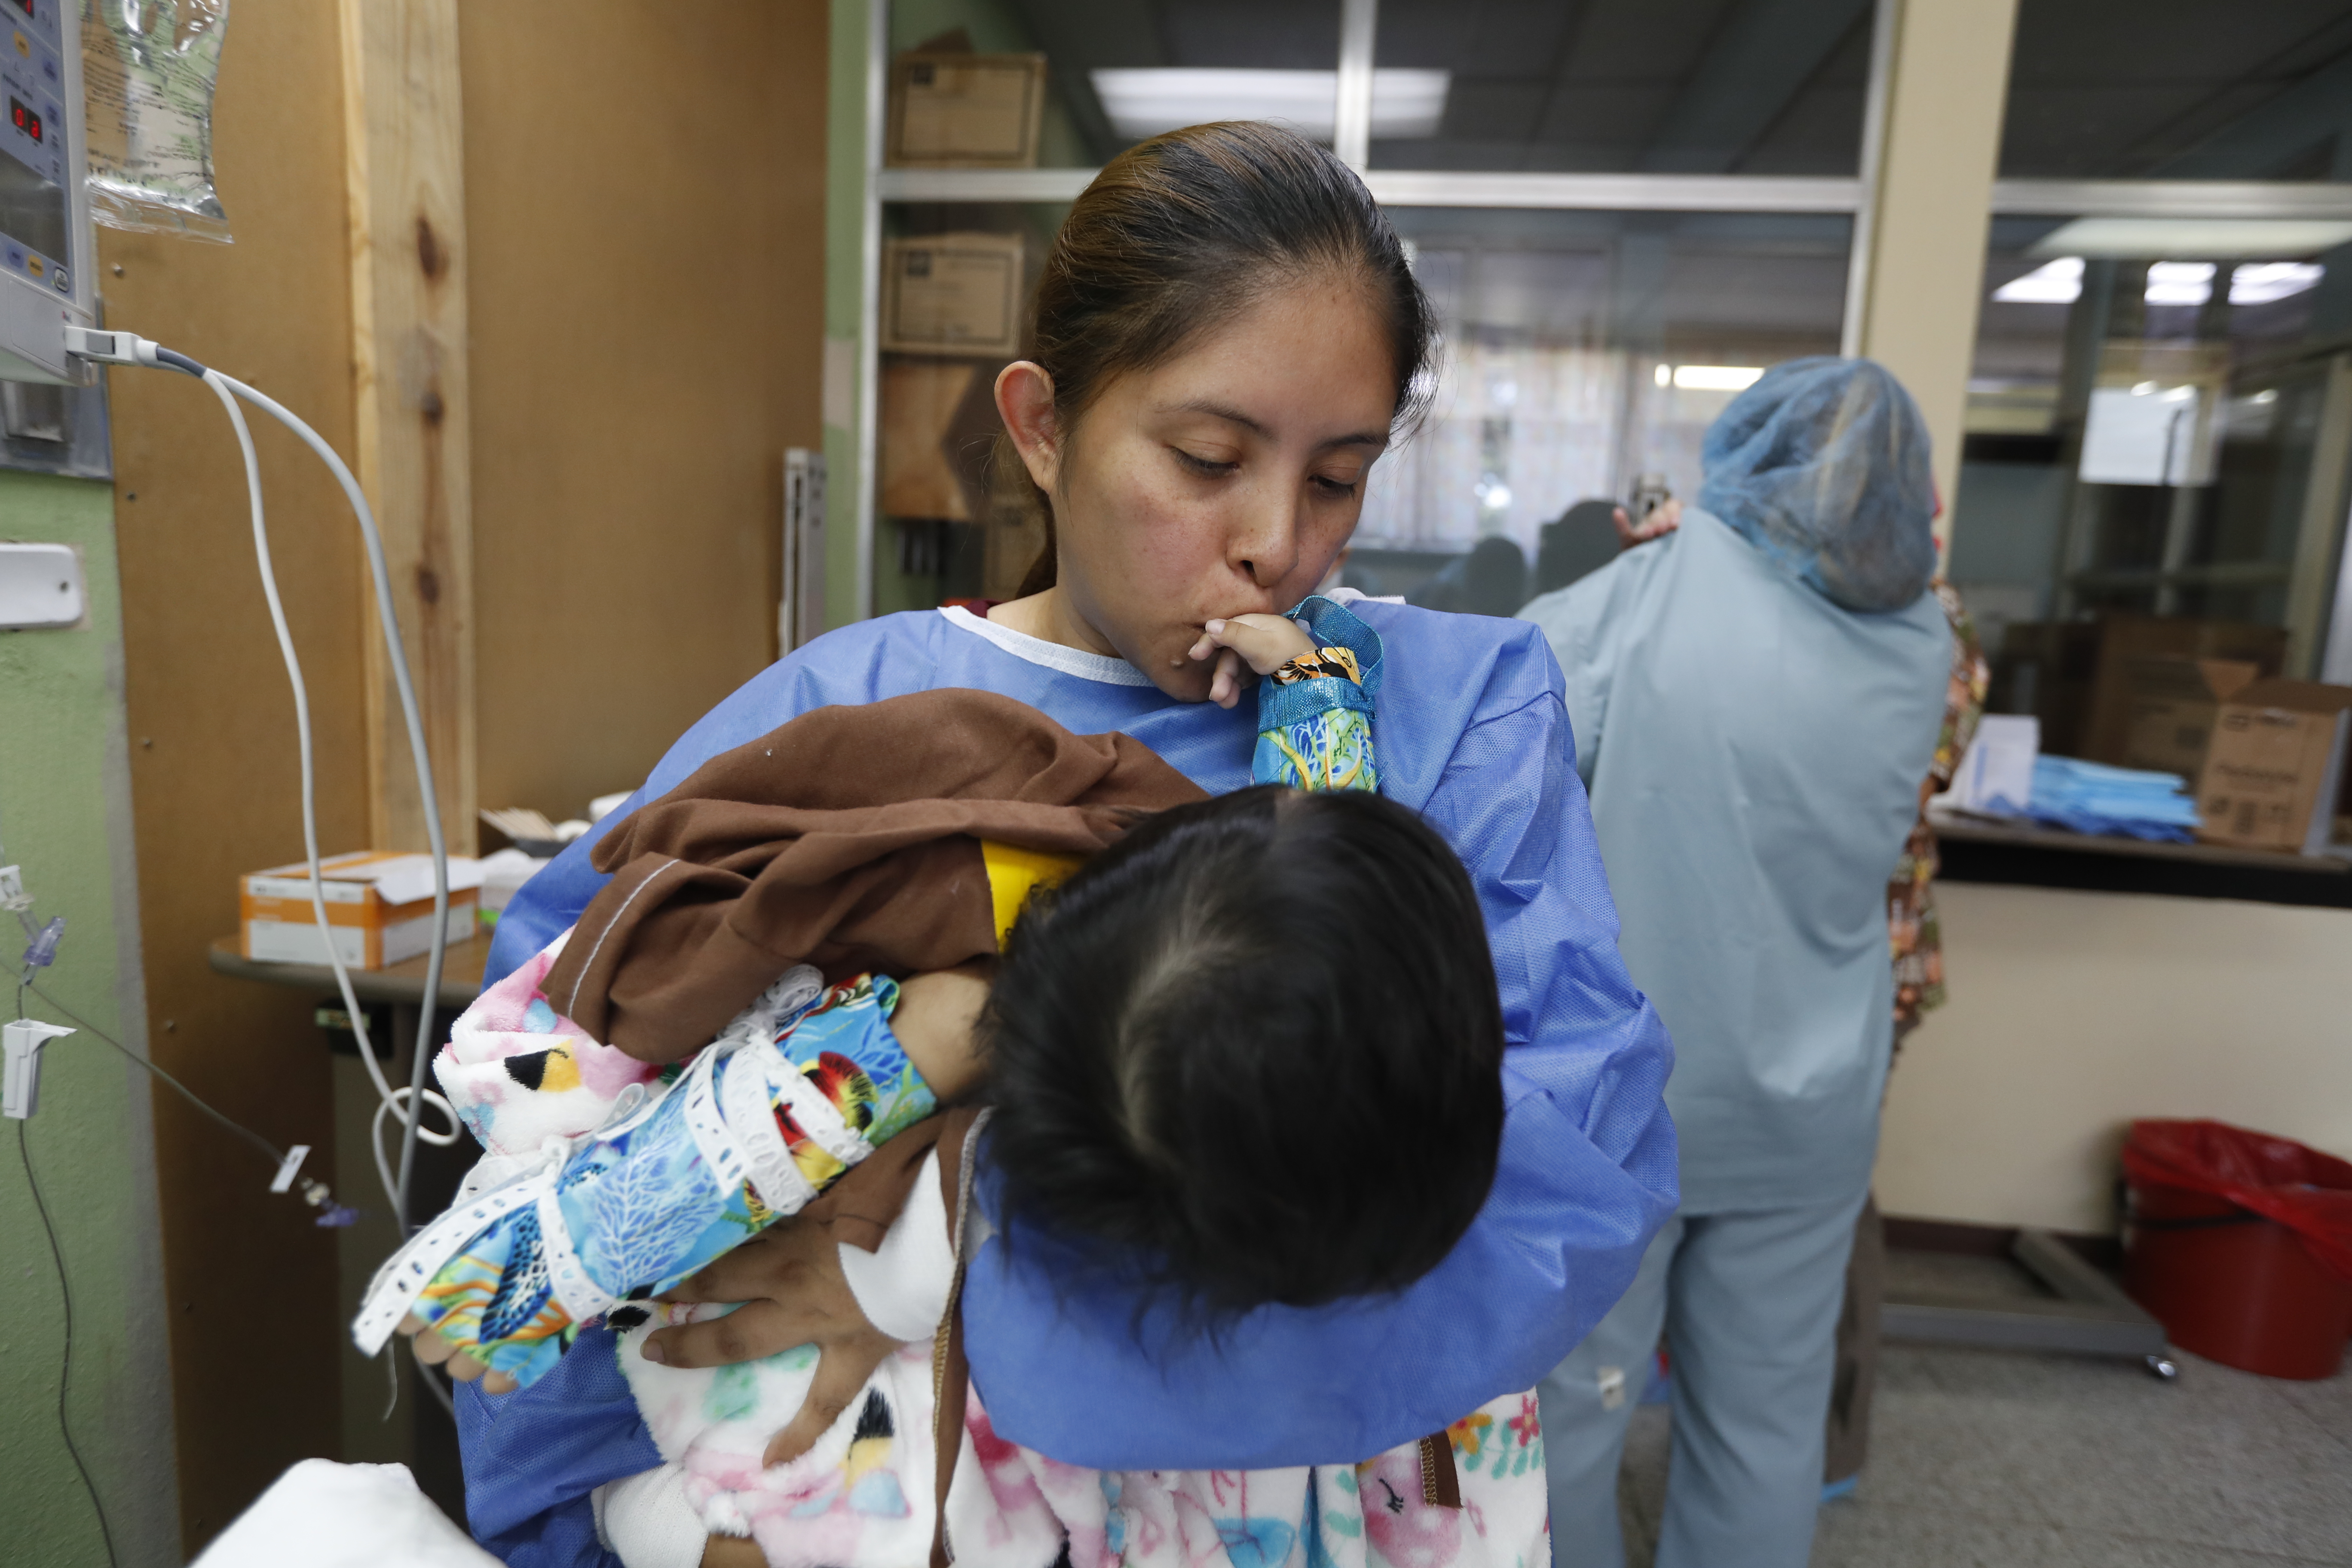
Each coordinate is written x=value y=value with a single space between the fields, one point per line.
x=1253 y=1049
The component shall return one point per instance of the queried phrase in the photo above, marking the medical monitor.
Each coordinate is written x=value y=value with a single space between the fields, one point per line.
x=45 y=235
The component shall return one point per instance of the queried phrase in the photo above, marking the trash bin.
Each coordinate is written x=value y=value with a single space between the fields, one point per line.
x=2241 y=1245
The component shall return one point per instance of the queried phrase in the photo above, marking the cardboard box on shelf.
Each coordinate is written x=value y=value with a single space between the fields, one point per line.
x=379 y=908
x=2126 y=640
x=954 y=294
x=919 y=402
x=958 y=110
x=2171 y=703
x=2077 y=676
x=2274 y=770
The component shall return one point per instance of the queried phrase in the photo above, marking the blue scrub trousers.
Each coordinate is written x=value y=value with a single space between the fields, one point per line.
x=1749 y=1305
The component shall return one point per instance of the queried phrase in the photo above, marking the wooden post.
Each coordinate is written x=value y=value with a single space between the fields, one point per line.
x=1921 y=279
x=404 y=154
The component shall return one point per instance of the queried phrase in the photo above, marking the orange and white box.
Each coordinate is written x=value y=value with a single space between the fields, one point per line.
x=379 y=908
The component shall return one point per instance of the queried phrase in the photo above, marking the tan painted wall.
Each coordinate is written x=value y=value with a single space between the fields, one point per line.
x=647 y=207
x=2073 y=1012
x=213 y=769
x=646 y=296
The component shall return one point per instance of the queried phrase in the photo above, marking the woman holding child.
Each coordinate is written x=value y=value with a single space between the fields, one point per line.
x=1226 y=337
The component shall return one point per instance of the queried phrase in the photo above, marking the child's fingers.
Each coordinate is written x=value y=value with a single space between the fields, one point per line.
x=1266 y=642
x=1226 y=686
x=500 y=1383
x=465 y=1368
x=842 y=1370
x=432 y=1349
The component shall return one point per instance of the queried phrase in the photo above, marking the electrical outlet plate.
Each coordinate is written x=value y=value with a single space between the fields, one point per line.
x=41 y=587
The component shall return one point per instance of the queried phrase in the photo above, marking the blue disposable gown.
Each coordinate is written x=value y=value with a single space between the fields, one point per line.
x=1472 y=732
x=1754 y=753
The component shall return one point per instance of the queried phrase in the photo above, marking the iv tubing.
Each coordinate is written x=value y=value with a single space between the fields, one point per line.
x=406 y=1102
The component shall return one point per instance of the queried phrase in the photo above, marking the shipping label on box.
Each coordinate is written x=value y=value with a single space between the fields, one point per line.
x=966 y=111
x=379 y=908
x=2171 y=705
x=953 y=294
x=2274 y=766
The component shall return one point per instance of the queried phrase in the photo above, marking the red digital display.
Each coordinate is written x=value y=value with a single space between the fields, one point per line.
x=26 y=7
x=24 y=120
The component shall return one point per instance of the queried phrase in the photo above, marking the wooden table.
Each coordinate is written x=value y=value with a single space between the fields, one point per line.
x=403 y=984
x=2034 y=836
x=420 y=1435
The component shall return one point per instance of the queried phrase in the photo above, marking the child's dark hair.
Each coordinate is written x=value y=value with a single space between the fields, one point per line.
x=1179 y=234
x=1253 y=1052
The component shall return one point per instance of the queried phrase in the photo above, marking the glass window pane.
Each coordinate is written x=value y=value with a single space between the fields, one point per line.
x=1585 y=354
x=2180 y=89
x=956 y=282
x=1119 y=71
x=1716 y=86
x=2156 y=432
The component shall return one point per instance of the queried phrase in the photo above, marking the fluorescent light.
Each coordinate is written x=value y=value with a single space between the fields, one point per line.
x=1147 y=102
x=2264 y=281
x=2055 y=282
x=1665 y=375
x=2180 y=282
x=1716 y=377
x=2225 y=238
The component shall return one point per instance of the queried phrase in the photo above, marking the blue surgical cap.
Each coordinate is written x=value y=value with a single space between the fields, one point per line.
x=1822 y=464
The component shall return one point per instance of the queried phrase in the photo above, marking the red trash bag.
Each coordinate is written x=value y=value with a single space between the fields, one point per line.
x=2273 y=1298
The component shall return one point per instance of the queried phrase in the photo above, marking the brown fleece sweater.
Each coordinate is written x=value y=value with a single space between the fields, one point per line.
x=848 y=838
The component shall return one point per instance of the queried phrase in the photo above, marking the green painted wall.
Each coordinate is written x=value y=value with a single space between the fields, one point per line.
x=64 y=817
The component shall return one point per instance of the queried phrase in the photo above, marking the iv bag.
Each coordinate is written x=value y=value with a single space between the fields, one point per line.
x=148 y=68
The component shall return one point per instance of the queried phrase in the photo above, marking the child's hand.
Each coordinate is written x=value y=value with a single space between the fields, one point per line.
x=434 y=1350
x=1265 y=643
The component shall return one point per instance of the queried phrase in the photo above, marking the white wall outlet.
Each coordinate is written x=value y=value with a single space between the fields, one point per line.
x=40 y=587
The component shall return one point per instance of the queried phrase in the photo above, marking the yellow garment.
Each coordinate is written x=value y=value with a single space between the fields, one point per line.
x=1014 y=873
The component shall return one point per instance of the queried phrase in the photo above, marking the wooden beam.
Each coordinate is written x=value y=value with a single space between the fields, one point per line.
x=404 y=149
x=1922 y=276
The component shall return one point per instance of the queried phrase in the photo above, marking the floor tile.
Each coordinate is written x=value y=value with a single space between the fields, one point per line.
x=1642 y=1484
x=2091 y=1548
x=2001 y=1459
x=2326 y=1403
x=1861 y=1536
x=1932 y=1449
x=2229 y=1462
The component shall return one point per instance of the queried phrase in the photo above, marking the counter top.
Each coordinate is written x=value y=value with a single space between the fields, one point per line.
x=401 y=984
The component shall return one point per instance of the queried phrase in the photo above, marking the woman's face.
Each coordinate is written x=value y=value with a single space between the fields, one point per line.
x=1223 y=483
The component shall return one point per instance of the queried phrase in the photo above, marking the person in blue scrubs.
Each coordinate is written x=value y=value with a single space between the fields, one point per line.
x=1226 y=334
x=1757 y=696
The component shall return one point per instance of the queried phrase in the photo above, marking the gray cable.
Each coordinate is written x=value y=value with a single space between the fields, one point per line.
x=426 y=1040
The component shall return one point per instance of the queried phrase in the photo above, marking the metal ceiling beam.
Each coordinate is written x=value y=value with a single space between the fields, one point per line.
x=1697 y=193
x=2172 y=199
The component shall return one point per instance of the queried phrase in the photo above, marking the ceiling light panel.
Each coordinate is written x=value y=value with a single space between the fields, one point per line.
x=1147 y=102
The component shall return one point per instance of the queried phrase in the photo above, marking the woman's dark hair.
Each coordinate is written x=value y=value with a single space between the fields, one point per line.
x=1252 y=1052
x=1179 y=234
